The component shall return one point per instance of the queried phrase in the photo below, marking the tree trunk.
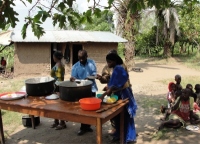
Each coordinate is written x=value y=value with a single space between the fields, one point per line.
x=167 y=52
x=184 y=48
x=129 y=54
x=129 y=35
x=172 y=50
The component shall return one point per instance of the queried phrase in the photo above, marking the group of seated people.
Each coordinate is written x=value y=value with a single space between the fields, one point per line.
x=183 y=105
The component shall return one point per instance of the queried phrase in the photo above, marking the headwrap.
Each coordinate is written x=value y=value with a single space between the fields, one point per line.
x=114 y=57
x=169 y=86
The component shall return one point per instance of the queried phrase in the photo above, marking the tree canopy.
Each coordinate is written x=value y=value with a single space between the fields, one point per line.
x=62 y=12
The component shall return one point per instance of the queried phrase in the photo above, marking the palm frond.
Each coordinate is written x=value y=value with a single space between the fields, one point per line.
x=166 y=14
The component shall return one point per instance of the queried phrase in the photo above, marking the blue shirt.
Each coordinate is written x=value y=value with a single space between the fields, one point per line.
x=80 y=71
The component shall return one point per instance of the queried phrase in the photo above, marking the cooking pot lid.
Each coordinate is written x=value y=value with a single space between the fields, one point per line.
x=39 y=80
x=75 y=84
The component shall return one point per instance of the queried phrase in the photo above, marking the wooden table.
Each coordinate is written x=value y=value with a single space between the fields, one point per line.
x=63 y=110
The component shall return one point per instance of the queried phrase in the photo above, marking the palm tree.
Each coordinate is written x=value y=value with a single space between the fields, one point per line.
x=125 y=28
x=168 y=24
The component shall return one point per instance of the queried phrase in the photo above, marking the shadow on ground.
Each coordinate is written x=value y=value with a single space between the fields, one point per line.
x=147 y=121
x=147 y=66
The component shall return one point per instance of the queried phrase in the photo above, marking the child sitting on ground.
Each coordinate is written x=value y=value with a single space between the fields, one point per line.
x=182 y=111
x=170 y=99
x=189 y=86
x=196 y=108
x=171 y=94
x=178 y=82
x=197 y=92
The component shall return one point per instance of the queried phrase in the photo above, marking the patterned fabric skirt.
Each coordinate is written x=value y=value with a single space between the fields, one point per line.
x=175 y=117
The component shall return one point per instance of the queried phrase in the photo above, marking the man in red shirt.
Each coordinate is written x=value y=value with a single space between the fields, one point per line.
x=3 y=65
x=3 y=62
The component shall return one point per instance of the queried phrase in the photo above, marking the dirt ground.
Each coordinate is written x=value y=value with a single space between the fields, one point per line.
x=149 y=93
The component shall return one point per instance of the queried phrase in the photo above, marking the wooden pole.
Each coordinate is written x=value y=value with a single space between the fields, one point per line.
x=1 y=129
x=99 y=131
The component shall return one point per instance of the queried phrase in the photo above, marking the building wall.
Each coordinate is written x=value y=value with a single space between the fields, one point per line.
x=98 y=52
x=35 y=58
x=32 y=58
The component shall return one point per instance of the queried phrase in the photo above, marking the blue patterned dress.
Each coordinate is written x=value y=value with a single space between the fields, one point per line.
x=118 y=79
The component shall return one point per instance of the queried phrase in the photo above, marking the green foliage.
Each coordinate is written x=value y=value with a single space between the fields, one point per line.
x=66 y=14
x=120 y=49
x=103 y=23
x=7 y=14
x=145 y=43
x=190 y=25
x=8 y=54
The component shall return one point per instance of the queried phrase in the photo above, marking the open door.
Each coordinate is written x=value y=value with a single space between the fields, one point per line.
x=75 y=49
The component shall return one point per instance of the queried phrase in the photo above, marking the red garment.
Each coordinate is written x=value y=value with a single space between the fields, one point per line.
x=196 y=107
x=3 y=62
x=169 y=86
x=184 y=110
x=170 y=90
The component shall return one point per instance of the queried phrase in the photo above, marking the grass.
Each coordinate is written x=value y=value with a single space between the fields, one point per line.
x=11 y=120
x=160 y=134
x=10 y=85
x=152 y=104
x=191 y=61
x=166 y=133
x=185 y=80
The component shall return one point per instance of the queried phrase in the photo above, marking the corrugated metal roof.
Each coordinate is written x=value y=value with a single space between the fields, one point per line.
x=5 y=38
x=68 y=36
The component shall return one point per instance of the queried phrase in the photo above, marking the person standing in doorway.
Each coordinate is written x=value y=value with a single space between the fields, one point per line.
x=81 y=70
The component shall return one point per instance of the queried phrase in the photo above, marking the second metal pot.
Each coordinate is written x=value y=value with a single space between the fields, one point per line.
x=73 y=91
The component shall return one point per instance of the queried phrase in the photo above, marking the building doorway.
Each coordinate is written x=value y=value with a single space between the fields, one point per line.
x=53 y=49
x=75 y=49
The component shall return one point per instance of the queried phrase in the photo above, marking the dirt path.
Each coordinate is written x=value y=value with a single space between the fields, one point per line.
x=149 y=94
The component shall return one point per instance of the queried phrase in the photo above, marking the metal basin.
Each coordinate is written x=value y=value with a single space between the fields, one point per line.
x=41 y=86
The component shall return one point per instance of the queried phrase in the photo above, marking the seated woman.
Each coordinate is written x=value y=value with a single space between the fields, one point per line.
x=197 y=92
x=182 y=111
x=196 y=108
x=170 y=98
x=171 y=94
x=116 y=85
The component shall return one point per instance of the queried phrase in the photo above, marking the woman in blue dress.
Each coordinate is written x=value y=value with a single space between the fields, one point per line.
x=116 y=85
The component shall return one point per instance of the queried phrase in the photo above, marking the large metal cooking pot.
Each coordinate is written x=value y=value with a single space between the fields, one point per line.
x=40 y=86
x=73 y=91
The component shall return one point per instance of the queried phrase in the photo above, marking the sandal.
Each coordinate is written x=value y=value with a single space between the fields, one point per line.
x=54 y=125
x=59 y=127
